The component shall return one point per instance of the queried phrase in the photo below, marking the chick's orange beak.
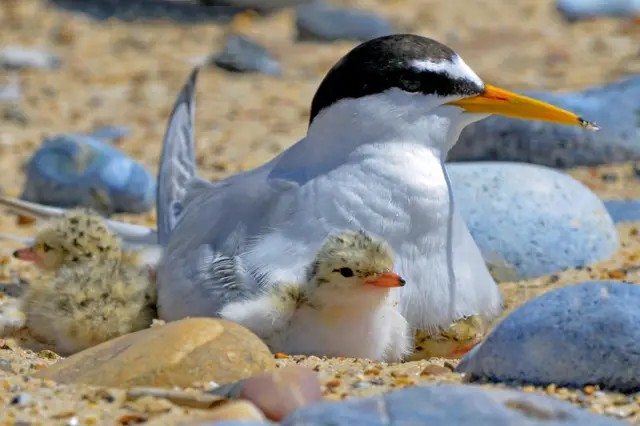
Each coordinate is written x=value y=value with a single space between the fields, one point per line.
x=27 y=254
x=387 y=280
x=502 y=102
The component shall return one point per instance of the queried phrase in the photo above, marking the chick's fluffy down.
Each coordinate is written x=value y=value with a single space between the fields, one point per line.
x=84 y=305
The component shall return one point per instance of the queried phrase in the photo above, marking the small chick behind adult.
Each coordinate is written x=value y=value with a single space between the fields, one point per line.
x=80 y=235
x=342 y=309
x=92 y=290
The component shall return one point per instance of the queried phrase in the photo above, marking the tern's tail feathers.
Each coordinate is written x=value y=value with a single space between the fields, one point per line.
x=128 y=232
x=177 y=163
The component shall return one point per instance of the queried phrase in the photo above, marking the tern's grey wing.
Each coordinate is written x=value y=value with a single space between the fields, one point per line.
x=177 y=163
x=203 y=267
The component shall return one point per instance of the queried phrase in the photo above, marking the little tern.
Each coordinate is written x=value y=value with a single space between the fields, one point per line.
x=381 y=124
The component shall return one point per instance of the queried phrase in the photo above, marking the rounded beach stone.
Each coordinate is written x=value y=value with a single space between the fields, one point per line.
x=448 y=405
x=319 y=22
x=241 y=54
x=623 y=210
x=68 y=170
x=575 y=10
x=243 y=411
x=574 y=336
x=176 y=354
x=536 y=219
x=615 y=107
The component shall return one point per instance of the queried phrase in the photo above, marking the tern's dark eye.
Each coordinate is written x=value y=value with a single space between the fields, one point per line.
x=345 y=272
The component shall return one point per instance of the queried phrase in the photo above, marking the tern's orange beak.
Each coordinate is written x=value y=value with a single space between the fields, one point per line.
x=27 y=254
x=387 y=280
x=502 y=102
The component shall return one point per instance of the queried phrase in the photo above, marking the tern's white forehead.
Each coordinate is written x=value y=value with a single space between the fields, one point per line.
x=457 y=68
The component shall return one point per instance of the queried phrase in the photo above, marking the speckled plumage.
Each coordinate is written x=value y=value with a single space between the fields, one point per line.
x=81 y=306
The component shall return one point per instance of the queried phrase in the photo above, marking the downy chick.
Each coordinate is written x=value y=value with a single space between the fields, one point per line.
x=86 y=304
x=343 y=308
x=91 y=289
x=80 y=235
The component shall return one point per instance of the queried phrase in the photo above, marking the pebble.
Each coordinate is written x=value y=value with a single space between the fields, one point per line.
x=448 y=405
x=243 y=55
x=176 y=354
x=15 y=57
x=615 y=107
x=243 y=411
x=10 y=92
x=318 y=21
x=277 y=393
x=623 y=210
x=584 y=334
x=69 y=169
x=22 y=400
x=539 y=220
x=576 y=10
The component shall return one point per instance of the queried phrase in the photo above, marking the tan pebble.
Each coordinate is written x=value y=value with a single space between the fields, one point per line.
x=132 y=419
x=232 y=410
x=397 y=374
x=90 y=419
x=149 y=404
x=404 y=381
x=192 y=349
x=333 y=383
x=589 y=389
x=178 y=397
x=63 y=415
x=434 y=370
x=372 y=371
x=552 y=388
x=529 y=388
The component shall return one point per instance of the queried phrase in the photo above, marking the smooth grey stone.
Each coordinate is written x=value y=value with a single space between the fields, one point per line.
x=576 y=10
x=137 y=10
x=320 y=22
x=10 y=92
x=615 y=107
x=15 y=57
x=623 y=210
x=537 y=219
x=448 y=405
x=574 y=336
x=71 y=170
x=241 y=54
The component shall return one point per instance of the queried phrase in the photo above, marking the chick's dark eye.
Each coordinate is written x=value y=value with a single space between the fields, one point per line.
x=46 y=247
x=346 y=272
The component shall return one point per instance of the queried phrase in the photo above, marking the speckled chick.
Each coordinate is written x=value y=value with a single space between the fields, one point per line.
x=80 y=306
x=91 y=289
x=81 y=235
x=342 y=309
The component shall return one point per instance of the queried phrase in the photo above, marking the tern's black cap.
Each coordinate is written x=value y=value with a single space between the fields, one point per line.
x=386 y=62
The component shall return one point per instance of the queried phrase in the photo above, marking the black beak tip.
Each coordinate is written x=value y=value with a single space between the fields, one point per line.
x=16 y=253
x=402 y=282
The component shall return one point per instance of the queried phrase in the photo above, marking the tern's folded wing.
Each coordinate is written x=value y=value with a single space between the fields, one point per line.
x=177 y=163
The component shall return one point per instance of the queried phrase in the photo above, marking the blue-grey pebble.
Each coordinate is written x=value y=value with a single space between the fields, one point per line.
x=68 y=167
x=241 y=54
x=17 y=57
x=537 y=219
x=319 y=22
x=615 y=107
x=623 y=210
x=576 y=10
x=574 y=336
x=10 y=92
x=448 y=405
